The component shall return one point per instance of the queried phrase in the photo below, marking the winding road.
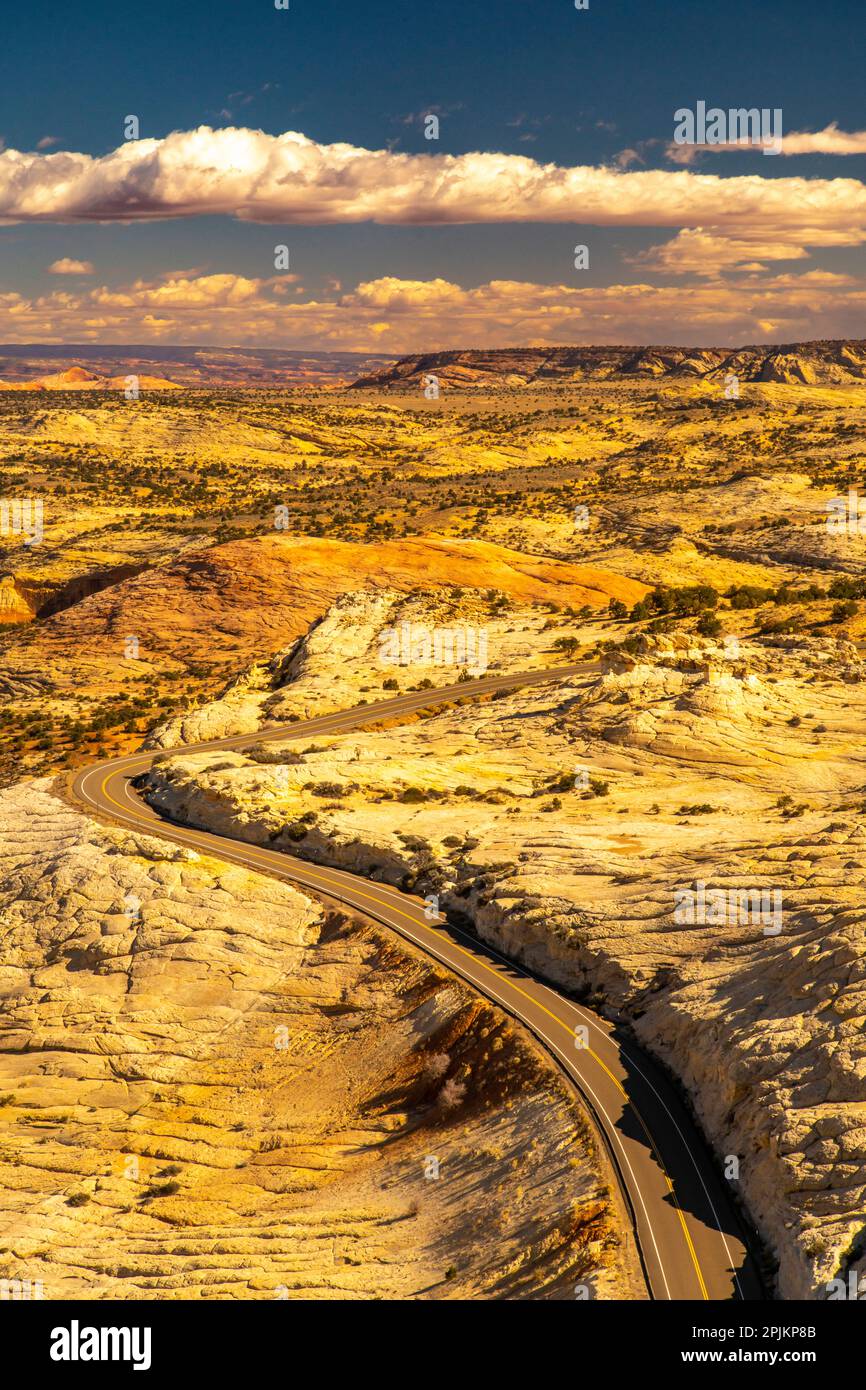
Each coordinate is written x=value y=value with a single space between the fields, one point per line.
x=689 y=1236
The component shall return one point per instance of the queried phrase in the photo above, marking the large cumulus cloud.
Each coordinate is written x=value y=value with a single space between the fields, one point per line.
x=292 y=179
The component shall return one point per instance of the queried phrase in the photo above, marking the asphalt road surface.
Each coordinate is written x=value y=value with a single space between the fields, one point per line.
x=690 y=1239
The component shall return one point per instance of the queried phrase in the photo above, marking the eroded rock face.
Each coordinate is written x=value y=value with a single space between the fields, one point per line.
x=212 y=1088
x=796 y=363
x=232 y=602
x=582 y=826
x=14 y=606
x=344 y=658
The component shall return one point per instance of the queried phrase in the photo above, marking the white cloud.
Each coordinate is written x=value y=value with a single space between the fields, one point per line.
x=291 y=179
x=393 y=315
x=703 y=251
x=67 y=266
x=626 y=158
x=830 y=140
x=709 y=251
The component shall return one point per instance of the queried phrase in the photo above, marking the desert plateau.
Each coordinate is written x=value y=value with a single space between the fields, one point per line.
x=433 y=681
x=672 y=545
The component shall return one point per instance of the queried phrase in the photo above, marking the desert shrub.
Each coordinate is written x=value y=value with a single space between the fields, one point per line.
x=782 y=625
x=709 y=625
x=451 y=1095
x=845 y=587
x=684 y=601
x=411 y=795
x=842 y=611
x=754 y=595
x=160 y=1189
x=563 y=783
x=436 y=1065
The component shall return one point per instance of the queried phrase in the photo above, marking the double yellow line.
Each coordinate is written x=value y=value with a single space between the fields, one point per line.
x=266 y=866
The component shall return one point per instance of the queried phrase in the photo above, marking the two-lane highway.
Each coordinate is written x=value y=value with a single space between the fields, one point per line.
x=690 y=1239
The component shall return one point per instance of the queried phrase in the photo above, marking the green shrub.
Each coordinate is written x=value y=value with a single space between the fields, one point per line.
x=410 y=795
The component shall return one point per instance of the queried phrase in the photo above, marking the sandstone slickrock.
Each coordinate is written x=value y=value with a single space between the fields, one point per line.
x=233 y=601
x=212 y=1087
x=568 y=820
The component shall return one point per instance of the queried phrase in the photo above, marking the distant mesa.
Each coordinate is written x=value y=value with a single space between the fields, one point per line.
x=821 y=363
x=98 y=366
x=43 y=367
x=80 y=379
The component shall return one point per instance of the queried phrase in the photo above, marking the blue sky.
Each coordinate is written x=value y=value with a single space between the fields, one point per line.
x=529 y=78
x=345 y=71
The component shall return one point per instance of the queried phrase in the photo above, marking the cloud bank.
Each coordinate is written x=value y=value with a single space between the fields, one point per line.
x=726 y=233
x=390 y=314
x=292 y=180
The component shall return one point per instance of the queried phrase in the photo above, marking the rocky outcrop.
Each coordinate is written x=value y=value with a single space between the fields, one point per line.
x=794 y=364
x=14 y=605
x=582 y=826
x=211 y=1087
x=229 y=603
x=343 y=659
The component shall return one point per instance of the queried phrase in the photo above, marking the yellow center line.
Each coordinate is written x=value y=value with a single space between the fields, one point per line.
x=502 y=979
